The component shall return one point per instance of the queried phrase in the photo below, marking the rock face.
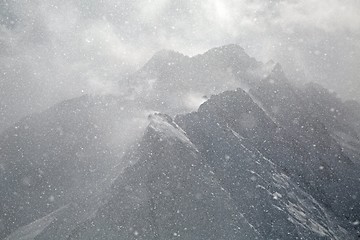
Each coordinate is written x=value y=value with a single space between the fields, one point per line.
x=268 y=171
x=61 y=156
x=174 y=83
x=169 y=193
x=259 y=159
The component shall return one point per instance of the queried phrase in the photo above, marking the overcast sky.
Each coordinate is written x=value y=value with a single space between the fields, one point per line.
x=52 y=50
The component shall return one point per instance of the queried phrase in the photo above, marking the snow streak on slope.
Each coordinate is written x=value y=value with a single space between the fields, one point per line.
x=168 y=194
x=271 y=162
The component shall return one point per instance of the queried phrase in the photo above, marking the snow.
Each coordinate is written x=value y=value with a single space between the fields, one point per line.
x=168 y=129
x=31 y=231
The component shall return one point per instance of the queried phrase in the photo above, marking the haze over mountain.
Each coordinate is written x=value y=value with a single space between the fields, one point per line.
x=51 y=50
x=214 y=146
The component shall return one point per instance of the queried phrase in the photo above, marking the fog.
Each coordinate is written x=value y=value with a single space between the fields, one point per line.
x=174 y=119
x=54 y=50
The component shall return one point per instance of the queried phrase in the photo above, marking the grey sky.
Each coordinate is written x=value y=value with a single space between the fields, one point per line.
x=51 y=50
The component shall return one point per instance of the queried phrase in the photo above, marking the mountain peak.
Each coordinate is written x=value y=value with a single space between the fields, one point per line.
x=227 y=50
x=166 y=53
x=164 y=58
x=277 y=69
x=277 y=73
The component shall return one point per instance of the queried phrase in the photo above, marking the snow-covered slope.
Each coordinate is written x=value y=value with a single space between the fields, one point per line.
x=172 y=192
x=63 y=155
x=232 y=133
x=168 y=194
x=267 y=161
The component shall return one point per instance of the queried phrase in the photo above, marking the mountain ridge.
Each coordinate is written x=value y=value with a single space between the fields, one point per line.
x=280 y=151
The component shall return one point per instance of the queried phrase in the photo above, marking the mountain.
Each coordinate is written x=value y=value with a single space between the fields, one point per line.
x=230 y=125
x=241 y=153
x=63 y=155
x=169 y=193
x=174 y=83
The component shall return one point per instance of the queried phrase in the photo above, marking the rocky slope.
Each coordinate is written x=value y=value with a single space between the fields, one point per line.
x=259 y=159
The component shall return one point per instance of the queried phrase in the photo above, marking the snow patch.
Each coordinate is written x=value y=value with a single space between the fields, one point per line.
x=168 y=129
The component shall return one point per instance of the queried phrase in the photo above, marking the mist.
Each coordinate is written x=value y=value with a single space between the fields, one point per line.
x=163 y=119
x=55 y=50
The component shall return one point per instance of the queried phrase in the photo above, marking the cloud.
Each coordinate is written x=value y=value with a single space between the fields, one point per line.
x=51 y=50
x=193 y=100
x=330 y=16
